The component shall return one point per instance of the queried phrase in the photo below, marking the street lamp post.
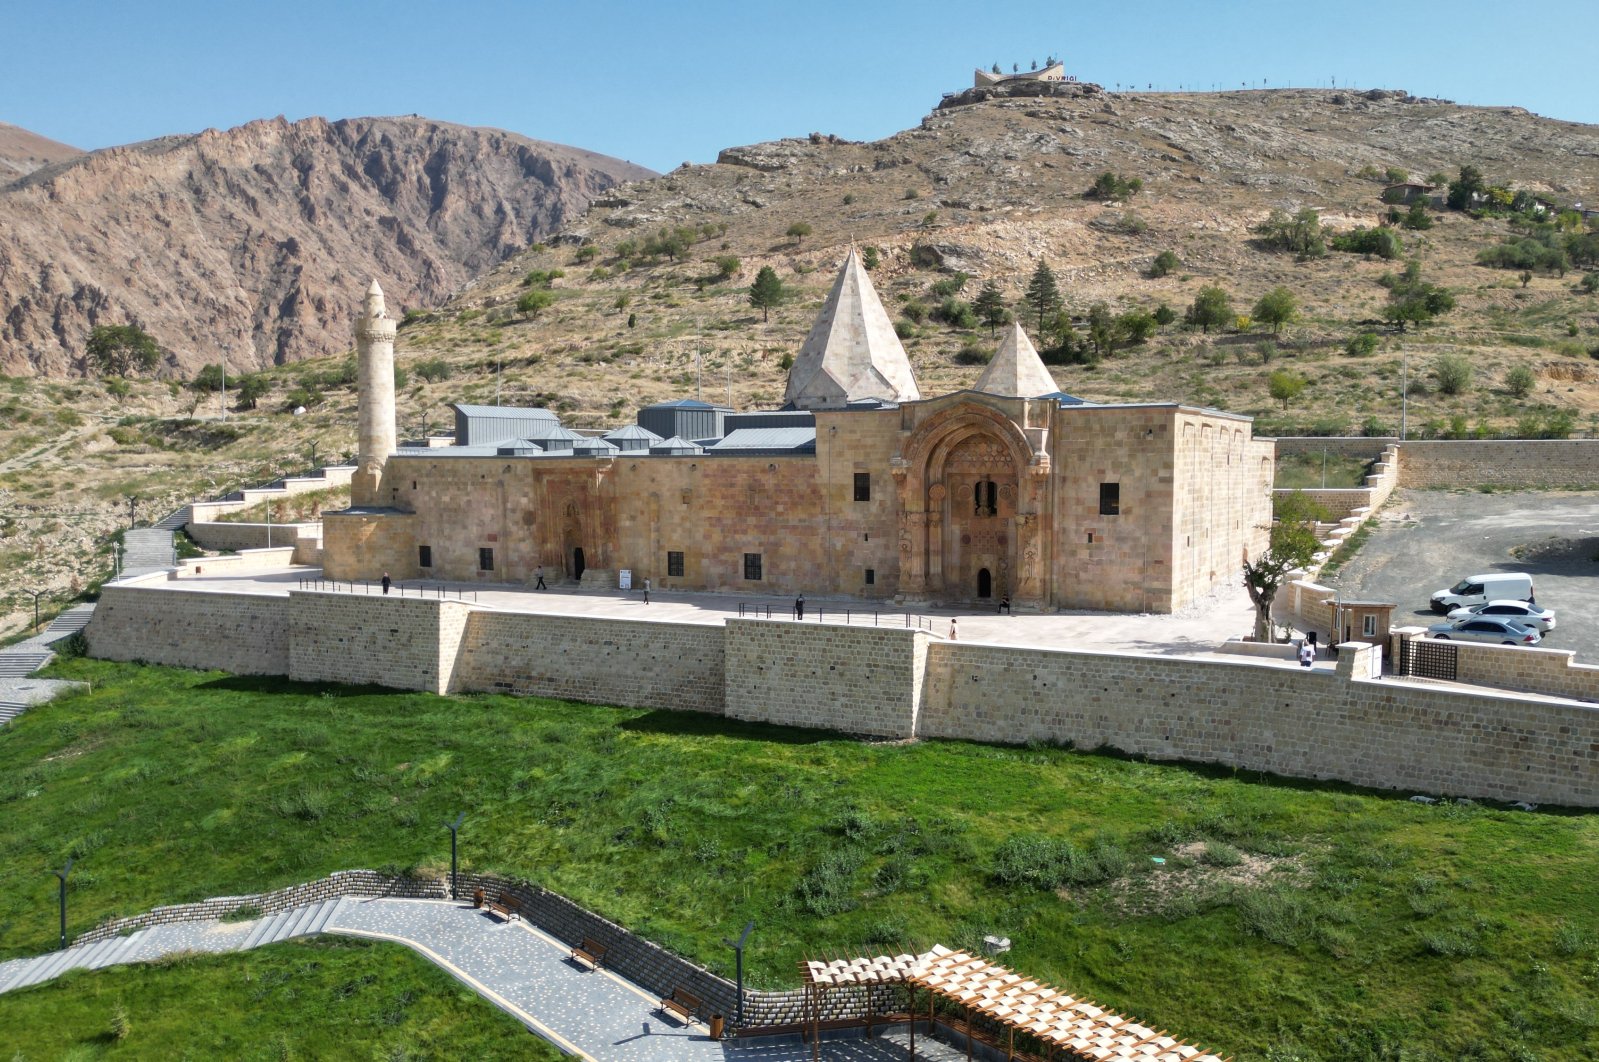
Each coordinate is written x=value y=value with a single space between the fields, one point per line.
x=62 y=874
x=738 y=963
x=36 y=594
x=455 y=829
x=133 y=511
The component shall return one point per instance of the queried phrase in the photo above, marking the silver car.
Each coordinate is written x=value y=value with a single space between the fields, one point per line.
x=1482 y=629
x=1525 y=613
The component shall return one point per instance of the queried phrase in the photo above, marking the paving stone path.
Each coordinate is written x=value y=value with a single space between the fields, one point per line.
x=18 y=691
x=517 y=967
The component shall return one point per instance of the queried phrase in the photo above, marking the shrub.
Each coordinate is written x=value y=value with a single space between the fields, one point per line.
x=1299 y=233
x=1520 y=381
x=1285 y=386
x=904 y=329
x=1164 y=315
x=1396 y=175
x=1164 y=264
x=433 y=369
x=1110 y=185
x=957 y=313
x=1379 y=242
x=1130 y=224
x=1590 y=283
x=542 y=278
x=945 y=287
x=1454 y=374
x=914 y=311
x=1279 y=915
x=1417 y=217
x=726 y=266
x=586 y=253
x=1217 y=854
x=532 y=303
x=871 y=257
x=973 y=352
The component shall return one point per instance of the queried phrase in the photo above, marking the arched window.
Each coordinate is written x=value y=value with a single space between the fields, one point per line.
x=985 y=497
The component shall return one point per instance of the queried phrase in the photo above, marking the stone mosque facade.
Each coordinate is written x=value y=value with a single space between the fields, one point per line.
x=859 y=487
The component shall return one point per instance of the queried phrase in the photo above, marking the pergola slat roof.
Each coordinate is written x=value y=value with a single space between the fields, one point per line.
x=1079 y=1027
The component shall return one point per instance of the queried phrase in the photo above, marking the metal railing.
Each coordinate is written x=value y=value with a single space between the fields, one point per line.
x=844 y=616
x=368 y=586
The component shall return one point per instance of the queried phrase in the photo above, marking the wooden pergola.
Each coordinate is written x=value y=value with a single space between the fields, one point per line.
x=1064 y=1026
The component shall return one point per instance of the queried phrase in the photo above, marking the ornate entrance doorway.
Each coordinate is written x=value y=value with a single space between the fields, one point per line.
x=985 y=584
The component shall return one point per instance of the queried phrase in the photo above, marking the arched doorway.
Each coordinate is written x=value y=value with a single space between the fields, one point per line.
x=985 y=584
x=577 y=562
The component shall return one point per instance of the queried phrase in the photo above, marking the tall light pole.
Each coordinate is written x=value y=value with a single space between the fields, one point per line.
x=62 y=874
x=738 y=961
x=37 y=594
x=133 y=511
x=1404 y=390
x=222 y=391
x=455 y=829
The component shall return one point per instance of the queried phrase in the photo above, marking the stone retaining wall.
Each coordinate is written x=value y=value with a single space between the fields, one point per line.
x=1513 y=464
x=306 y=538
x=246 y=634
x=1552 y=672
x=1367 y=447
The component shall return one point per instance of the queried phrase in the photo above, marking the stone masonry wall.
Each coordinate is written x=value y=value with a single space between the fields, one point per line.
x=1552 y=672
x=406 y=643
x=246 y=634
x=857 y=680
x=624 y=662
x=1338 y=446
x=1308 y=724
x=1508 y=463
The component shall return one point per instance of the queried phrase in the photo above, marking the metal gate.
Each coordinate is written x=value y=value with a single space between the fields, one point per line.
x=1428 y=658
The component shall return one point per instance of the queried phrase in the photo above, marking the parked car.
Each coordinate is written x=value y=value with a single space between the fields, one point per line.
x=1481 y=589
x=1482 y=629
x=1525 y=613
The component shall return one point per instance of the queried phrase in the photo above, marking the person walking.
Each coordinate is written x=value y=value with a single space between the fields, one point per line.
x=386 y=582
x=799 y=607
x=1307 y=653
x=539 y=574
x=953 y=636
x=646 y=591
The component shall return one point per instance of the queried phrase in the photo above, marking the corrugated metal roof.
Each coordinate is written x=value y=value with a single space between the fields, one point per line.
x=633 y=431
x=595 y=446
x=796 y=440
x=515 y=412
x=686 y=403
x=675 y=445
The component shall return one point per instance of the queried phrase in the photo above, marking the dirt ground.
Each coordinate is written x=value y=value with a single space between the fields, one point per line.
x=1428 y=540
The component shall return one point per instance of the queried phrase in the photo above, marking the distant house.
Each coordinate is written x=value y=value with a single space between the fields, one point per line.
x=1407 y=192
x=988 y=79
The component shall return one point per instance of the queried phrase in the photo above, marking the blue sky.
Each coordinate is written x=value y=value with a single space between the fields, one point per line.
x=663 y=83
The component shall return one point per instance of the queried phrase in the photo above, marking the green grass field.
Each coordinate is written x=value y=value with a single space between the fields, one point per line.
x=1290 y=920
x=306 y=999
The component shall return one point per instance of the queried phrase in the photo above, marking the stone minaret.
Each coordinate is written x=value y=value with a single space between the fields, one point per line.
x=374 y=347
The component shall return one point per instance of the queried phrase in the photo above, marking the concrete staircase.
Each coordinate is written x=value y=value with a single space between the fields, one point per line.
x=146 y=944
x=147 y=549
x=15 y=663
x=177 y=520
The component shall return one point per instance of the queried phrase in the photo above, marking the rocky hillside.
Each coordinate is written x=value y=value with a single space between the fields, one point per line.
x=255 y=243
x=22 y=152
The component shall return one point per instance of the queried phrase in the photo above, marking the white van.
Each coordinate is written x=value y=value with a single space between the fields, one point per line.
x=1480 y=589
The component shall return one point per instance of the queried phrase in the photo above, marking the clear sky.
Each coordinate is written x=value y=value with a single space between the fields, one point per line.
x=660 y=83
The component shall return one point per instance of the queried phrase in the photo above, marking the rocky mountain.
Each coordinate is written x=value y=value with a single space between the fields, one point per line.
x=22 y=152
x=254 y=244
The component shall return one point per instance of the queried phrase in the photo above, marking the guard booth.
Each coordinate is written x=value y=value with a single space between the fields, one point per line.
x=1362 y=621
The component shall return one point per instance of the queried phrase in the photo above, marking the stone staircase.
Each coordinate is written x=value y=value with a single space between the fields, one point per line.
x=151 y=943
x=23 y=659
x=21 y=664
x=146 y=550
x=177 y=520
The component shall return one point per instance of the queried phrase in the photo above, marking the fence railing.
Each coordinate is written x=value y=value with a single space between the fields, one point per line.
x=368 y=586
x=843 y=616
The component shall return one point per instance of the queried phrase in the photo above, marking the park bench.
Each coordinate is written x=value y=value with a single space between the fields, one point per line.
x=507 y=906
x=681 y=1002
x=591 y=952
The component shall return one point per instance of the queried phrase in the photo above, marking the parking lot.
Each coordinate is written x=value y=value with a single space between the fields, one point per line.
x=1427 y=540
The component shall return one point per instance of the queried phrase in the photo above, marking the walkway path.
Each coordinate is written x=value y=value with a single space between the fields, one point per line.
x=523 y=971
x=18 y=691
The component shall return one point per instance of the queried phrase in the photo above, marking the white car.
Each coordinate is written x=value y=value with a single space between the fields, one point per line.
x=1525 y=613
x=1481 y=629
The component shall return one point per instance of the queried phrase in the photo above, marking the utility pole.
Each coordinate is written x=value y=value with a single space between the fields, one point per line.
x=455 y=829
x=738 y=960
x=37 y=594
x=1404 y=390
x=62 y=874
x=222 y=393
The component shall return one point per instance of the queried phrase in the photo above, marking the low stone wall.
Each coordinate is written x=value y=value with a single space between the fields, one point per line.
x=246 y=634
x=1367 y=447
x=1307 y=724
x=408 y=643
x=250 y=560
x=627 y=662
x=858 y=680
x=1509 y=463
x=236 y=536
x=1551 y=672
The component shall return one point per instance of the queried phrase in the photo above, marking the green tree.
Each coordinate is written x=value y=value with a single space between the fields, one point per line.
x=1417 y=217
x=1277 y=307
x=1464 y=190
x=1211 y=308
x=1297 y=233
x=121 y=350
x=252 y=389
x=1291 y=544
x=1520 y=381
x=532 y=303
x=1110 y=185
x=727 y=266
x=1165 y=263
x=209 y=378
x=871 y=257
x=1164 y=315
x=1454 y=374
x=798 y=231
x=766 y=292
x=990 y=306
x=1043 y=294
x=1412 y=300
x=1285 y=386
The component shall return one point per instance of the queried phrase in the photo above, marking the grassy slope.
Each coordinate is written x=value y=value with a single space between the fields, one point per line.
x=1447 y=927
x=323 y=998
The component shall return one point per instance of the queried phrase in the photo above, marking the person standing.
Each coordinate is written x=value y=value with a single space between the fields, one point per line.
x=1307 y=653
x=953 y=635
x=539 y=574
x=646 y=591
x=386 y=582
x=799 y=607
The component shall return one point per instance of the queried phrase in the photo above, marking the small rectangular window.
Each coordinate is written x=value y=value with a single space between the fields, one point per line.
x=424 y=556
x=485 y=559
x=871 y=576
x=752 y=566
x=863 y=486
x=1368 y=626
x=1110 y=499
x=674 y=563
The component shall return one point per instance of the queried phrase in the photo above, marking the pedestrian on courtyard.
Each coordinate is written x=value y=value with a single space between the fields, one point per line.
x=1307 y=653
x=386 y=582
x=1310 y=636
x=1004 y=605
x=646 y=591
x=799 y=607
x=539 y=574
x=952 y=635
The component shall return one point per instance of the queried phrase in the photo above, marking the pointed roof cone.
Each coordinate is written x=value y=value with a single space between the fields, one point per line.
x=374 y=306
x=1017 y=371
x=852 y=352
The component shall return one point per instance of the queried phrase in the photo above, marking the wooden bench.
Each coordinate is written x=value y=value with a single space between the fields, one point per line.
x=683 y=1003
x=507 y=906
x=591 y=952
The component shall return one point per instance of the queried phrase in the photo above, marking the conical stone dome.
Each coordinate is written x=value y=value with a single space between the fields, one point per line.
x=1017 y=371
x=852 y=352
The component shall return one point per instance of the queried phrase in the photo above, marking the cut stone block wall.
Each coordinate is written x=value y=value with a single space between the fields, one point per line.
x=1508 y=463
x=246 y=634
x=250 y=560
x=858 y=680
x=404 y=642
x=1552 y=672
x=1369 y=448
x=228 y=535
x=624 y=662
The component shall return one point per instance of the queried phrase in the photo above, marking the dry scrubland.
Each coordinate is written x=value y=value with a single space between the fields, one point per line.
x=988 y=190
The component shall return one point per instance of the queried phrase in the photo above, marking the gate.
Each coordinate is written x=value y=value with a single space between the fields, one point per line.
x=1428 y=658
